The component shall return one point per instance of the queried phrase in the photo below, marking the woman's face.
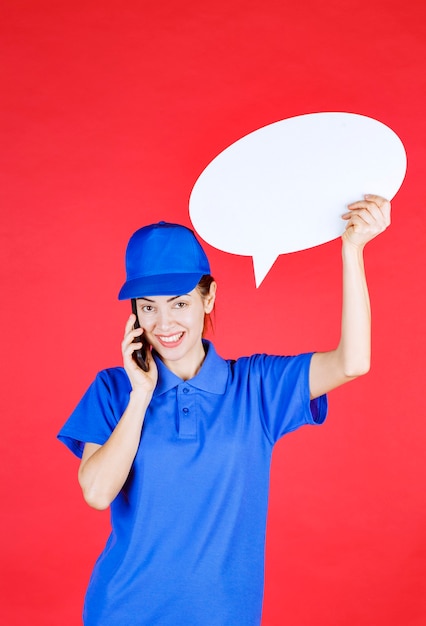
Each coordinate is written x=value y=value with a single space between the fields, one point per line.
x=173 y=325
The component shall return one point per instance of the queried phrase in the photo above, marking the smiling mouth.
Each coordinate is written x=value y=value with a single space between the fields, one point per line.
x=171 y=338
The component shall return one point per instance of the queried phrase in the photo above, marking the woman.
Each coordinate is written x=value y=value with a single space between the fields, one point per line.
x=182 y=452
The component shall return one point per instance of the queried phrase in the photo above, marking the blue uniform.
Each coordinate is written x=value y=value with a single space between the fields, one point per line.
x=188 y=527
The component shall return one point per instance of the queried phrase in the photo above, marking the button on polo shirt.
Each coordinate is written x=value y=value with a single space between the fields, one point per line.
x=188 y=527
x=187 y=409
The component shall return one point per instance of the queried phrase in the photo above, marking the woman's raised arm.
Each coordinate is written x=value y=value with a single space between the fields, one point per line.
x=365 y=220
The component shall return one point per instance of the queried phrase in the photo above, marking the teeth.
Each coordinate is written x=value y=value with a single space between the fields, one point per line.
x=171 y=339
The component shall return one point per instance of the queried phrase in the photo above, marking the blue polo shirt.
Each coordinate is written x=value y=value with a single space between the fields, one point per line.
x=188 y=528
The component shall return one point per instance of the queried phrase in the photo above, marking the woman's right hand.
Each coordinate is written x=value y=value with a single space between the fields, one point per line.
x=105 y=468
x=140 y=380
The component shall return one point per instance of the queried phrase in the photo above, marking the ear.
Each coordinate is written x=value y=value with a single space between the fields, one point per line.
x=209 y=300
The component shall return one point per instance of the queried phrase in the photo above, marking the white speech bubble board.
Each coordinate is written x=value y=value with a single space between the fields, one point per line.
x=284 y=187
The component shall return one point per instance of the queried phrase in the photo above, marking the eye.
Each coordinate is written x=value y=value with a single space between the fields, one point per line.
x=147 y=308
x=181 y=305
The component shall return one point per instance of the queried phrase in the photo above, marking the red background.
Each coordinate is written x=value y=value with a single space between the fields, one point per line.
x=110 y=112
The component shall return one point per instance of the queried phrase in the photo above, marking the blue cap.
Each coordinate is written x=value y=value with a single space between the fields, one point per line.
x=163 y=260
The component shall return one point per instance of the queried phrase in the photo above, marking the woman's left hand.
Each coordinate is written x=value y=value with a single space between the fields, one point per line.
x=366 y=219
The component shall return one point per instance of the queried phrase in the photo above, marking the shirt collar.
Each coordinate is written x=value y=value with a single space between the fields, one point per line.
x=212 y=377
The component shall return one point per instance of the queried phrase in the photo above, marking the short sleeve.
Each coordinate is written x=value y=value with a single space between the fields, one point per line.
x=98 y=412
x=285 y=394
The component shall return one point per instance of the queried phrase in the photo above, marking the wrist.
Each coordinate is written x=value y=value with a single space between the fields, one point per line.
x=351 y=249
x=140 y=397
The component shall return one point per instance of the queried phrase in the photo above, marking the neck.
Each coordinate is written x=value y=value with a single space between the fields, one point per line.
x=189 y=367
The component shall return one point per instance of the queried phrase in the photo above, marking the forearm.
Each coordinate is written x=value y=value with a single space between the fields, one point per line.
x=351 y=358
x=354 y=349
x=103 y=472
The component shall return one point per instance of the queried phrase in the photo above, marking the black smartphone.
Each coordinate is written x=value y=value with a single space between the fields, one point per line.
x=140 y=355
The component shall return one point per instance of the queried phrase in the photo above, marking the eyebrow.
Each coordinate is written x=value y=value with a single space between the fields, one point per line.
x=169 y=300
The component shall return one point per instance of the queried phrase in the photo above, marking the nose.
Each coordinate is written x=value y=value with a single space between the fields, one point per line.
x=164 y=320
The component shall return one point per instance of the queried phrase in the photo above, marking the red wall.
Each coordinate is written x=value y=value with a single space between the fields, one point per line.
x=110 y=112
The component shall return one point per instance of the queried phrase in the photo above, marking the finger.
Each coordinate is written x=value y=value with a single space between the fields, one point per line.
x=130 y=329
x=128 y=350
x=369 y=197
x=132 y=334
x=362 y=204
x=379 y=200
x=383 y=204
x=379 y=213
x=129 y=339
x=360 y=226
x=371 y=201
x=129 y=324
x=369 y=216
